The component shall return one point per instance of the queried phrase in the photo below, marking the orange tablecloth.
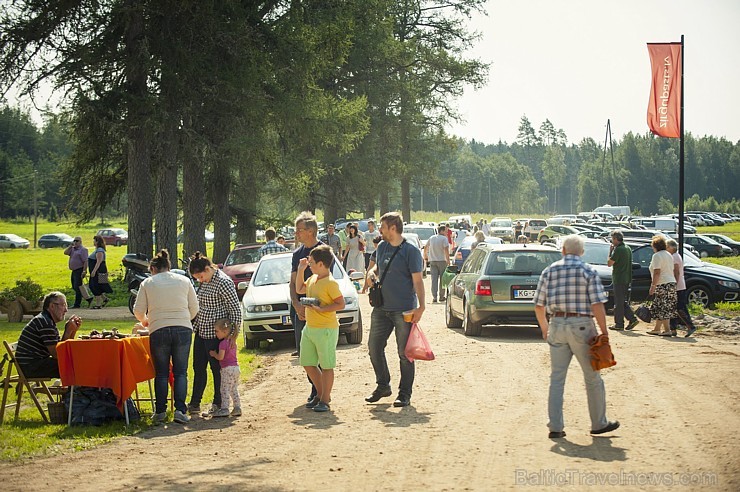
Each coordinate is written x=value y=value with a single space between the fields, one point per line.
x=117 y=364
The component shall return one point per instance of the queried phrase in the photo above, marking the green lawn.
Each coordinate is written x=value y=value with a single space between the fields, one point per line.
x=30 y=436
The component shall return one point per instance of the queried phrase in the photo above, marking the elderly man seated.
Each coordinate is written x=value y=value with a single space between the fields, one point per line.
x=37 y=345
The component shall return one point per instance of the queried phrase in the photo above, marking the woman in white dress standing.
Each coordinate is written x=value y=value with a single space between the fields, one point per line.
x=355 y=258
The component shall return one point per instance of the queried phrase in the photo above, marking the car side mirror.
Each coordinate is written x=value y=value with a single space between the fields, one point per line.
x=242 y=286
x=356 y=276
x=452 y=269
x=636 y=266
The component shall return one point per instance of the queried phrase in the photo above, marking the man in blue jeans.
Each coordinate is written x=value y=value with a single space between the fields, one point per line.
x=403 y=290
x=571 y=291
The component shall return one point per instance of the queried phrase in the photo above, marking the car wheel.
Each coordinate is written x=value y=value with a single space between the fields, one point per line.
x=118 y=242
x=470 y=328
x=451 y=320
x=700 y=294
x=736 y=251
x=251 y=343
x=355 y=337
x=12 y=246
x=543 y=239
x=703 y=254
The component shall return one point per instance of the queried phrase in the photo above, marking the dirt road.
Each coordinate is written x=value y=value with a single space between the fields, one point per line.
x=477 y=422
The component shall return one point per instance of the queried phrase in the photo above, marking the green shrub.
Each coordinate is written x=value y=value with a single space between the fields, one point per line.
x=728 y=306
x=25 y=288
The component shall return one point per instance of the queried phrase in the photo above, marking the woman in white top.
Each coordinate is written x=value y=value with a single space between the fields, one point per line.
x=663 y=286
x=165 y=304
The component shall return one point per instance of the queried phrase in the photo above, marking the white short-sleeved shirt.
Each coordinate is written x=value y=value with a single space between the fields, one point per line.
x=663 y=260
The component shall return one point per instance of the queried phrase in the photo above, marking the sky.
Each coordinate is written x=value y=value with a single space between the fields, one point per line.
x=579 y=63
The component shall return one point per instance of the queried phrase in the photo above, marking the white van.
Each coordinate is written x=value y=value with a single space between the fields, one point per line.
x=658 y=223
x=614 y=209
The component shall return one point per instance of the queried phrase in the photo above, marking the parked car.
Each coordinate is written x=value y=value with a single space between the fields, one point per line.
x=496 y=285
x=461 y=252
x=704 y=245
x=266 y=303
x=240 y=265
x=706 y=283
x=114 y=237
x=12 y=241
x=502 y=227
x=58 y=240
x=424 y=232
x=725 y=241
x=554 y=230
x=533 y=227
x=207 y=235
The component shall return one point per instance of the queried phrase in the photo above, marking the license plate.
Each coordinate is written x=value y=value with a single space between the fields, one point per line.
x=286 y=320
x=523 y=293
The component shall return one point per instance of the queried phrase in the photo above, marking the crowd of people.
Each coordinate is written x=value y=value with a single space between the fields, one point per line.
x=569 y=306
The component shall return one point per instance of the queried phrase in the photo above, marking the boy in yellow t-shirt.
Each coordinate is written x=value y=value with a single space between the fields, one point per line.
x=318 y=354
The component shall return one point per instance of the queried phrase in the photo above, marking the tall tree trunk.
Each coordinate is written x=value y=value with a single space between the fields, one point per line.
x=193 y=205
x=406 y=198
x=165 y=197
x=221 y=187
x=384 y=201
x=246 y=210
x=139 y=180
x=370 y=209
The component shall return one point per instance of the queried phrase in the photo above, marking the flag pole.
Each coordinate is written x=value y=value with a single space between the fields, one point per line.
x=681 y=165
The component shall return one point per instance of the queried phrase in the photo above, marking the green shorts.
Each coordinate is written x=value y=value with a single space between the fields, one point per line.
x=319 y=347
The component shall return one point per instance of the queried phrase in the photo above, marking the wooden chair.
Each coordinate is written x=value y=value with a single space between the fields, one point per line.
x=32 y=385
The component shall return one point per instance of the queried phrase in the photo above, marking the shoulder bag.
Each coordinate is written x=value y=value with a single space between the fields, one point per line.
x=375 y=294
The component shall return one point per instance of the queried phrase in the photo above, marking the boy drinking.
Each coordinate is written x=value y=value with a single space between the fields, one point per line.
x=318 y=354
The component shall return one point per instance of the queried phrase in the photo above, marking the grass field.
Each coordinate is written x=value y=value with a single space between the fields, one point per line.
x=30 y=436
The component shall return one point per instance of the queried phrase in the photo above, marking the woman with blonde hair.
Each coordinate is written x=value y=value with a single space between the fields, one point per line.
x=663 y=286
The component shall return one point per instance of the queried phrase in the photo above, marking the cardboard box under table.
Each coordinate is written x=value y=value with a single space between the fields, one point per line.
x=118 y=364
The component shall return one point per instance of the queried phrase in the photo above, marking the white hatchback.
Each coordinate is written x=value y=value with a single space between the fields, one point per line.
x=266 y=303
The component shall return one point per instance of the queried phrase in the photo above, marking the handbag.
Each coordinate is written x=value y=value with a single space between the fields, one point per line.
x=417 y=346
x=375 y=293
x=601 y=353
x=102 y=277
x=85 y=291
x=643 y=312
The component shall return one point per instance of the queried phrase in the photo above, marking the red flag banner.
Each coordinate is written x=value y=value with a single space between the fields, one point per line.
x=664 y=108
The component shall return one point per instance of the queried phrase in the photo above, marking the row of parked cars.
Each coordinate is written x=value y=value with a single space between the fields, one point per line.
x=496 y=282
x=112 y=237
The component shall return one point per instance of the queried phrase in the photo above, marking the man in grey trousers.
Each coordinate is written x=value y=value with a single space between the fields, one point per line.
x=437 y=253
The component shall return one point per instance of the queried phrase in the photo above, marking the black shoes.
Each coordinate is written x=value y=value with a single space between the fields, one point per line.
x=313 y=402
x=609 y=427
x=378 y=394
x=632 y=324
x=556 y=434
x=402 y=401
x=690 y=332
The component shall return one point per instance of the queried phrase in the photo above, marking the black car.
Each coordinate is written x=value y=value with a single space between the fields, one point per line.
x=706 y=283
x=729 y=242
x=704 y=245
x=55 y=240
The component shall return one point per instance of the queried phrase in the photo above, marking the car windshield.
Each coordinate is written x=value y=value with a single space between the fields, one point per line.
x=242 y=256
x=424 y=233
x=689 y=259
x=520 y=262
x=500 y=223
x=469 y=240
x=596 y=253
x=13 y=237
x=276 y=271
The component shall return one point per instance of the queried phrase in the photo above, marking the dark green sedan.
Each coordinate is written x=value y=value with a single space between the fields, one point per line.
x=496 y=285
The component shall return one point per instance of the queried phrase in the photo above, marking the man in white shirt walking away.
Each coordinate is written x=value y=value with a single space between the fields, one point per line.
x=437 y=253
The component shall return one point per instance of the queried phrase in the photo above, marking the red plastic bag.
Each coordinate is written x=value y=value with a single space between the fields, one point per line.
x=417 y=346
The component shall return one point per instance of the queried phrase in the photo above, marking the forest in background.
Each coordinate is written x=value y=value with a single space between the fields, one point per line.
x=185 y=114
x=537 y=174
